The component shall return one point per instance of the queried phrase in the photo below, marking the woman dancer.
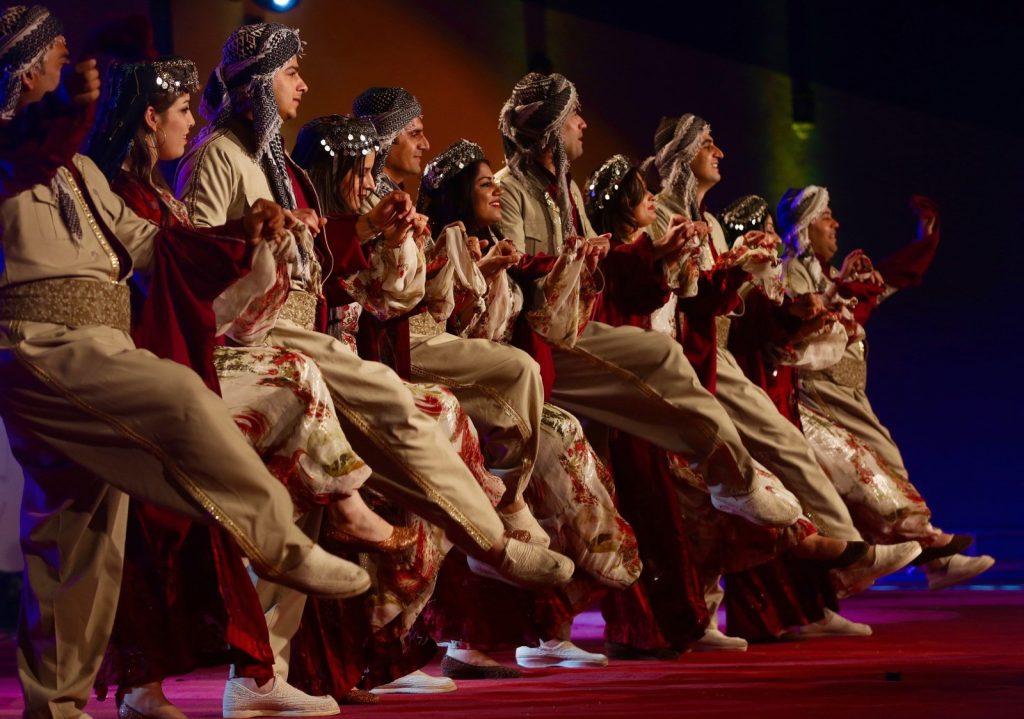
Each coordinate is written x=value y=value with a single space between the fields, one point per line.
x=277 y=396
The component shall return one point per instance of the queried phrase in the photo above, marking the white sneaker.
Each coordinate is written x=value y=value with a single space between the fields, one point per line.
x=283 y=700
x=417 y=682
x=833 y=625
x=766 y=504
x=524 y=521
x=959 y=568
x=862 y=574
x=558 y=653
x=715 y=641
x=321 y=574
x=527 y=565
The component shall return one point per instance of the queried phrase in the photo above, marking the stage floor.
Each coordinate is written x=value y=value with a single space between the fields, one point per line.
x=952 y=654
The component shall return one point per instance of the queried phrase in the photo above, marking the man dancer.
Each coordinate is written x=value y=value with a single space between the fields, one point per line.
x=90 y=418
x=499 y=386
x=809 y=232
x=240 y=159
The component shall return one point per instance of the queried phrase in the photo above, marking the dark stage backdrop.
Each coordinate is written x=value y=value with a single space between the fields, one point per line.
x=919 y=98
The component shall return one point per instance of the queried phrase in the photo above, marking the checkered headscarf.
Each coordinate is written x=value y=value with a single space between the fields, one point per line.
x=26 y=34
x=531 y=122
x=676 y=142
x=390 y=109
x=252 y=55
x=797 y=209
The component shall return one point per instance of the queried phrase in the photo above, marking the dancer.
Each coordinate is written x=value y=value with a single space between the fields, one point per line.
x=835 y=398
x=143 y=427
x=571 y=491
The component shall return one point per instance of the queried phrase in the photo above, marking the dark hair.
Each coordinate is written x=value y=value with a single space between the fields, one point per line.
x=138 y=161
x=616 y=216
x=454 y=199
x=326 y=172
x=120 y=136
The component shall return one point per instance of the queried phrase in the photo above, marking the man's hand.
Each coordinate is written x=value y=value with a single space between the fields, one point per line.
x=83 y=84
x=679 y=232
x=927 y=212
x=308 y=217
x=807 y=305
x=265 y=220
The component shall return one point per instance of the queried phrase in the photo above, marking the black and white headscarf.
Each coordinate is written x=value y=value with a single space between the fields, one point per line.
x=390 y=109
x=26 y=34
x=252 y=55
x=676 y=142
x=797 y=209
x=531 y=122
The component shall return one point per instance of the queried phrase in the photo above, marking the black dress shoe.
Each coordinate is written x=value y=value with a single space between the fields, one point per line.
x=454 y=669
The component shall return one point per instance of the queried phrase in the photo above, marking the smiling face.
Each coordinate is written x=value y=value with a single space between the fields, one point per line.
x=645 y=212
x=572 y=135
x=357 y=182
x=486 y=197
x=171 y=127
x=822 y=234
x=406 y=155
x=705 y=164
x=289 y=88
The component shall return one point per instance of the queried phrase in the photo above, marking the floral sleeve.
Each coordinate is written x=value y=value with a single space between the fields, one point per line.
x=394 y=283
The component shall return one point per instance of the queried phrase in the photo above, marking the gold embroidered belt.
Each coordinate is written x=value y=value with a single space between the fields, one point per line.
x=300 y=308
x=722 y=325
x=847 y=372
x=70 y=302
x=425 y=325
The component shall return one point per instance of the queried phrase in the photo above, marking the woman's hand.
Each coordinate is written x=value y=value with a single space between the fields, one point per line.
x=393 y=209
x=500 y=257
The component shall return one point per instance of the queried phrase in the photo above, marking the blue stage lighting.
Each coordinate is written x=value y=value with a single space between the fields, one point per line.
x=278 y=5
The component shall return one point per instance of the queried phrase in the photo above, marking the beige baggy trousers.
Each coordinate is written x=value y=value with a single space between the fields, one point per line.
x=500 y=389
x=92 y=419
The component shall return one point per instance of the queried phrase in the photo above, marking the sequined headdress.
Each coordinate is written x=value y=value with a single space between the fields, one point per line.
x=390 y=109
x=605 y=183
x=252 y=55
x=531 y=122
x=334 y=135
x=446 y=166
x=797 y=209
x=676 y=142
x=745 y=214
x=26 y=34
x=129 y=88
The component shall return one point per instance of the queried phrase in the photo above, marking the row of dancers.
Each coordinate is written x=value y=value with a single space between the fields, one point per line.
x=598 y=394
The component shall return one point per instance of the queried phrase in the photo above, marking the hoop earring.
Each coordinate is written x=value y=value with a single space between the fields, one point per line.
x=154 y=140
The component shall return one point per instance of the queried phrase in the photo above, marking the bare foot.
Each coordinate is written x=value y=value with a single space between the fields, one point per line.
x=353 y=516
x=149 y=700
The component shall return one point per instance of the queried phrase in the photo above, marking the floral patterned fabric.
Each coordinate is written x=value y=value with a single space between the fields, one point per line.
x=572 y=496
x=280 y=402
x=571 y=492
x=885 y=506
x=332 y=652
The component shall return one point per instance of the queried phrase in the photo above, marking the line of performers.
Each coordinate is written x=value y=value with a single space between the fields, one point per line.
x=595 y=394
